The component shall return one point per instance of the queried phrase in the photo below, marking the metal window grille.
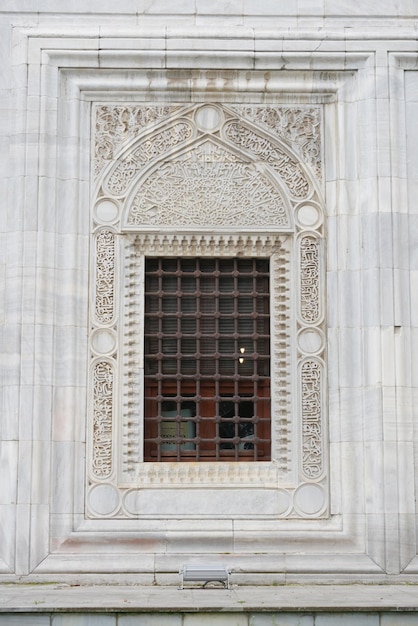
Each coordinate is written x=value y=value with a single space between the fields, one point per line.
x=207 y=359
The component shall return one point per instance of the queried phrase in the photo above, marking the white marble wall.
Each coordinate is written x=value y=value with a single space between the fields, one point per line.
x=361 y=61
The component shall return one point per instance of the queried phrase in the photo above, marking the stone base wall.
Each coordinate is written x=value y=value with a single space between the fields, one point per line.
x=211 y=619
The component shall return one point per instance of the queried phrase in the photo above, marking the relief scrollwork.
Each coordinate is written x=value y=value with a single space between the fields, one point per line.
x=116 y=124
x=102 y=428
x=300 y=127
x=287 y=168
x=161 y=142
x=311 y=370
x=205 y=187
x=105 y=276
x=310 y=279
x=311 y=373
x=102 y=374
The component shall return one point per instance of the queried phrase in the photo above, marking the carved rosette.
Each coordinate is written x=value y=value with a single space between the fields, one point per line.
x=207 y=180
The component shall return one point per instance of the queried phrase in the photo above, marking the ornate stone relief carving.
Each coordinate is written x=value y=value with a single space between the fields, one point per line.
x=207 y=245
x=312 y=428
x=287 y=168
x=311 y=341
x=105 y=276
x=207 y=187
x=103 y=378
x=300 y=126
x=116 y=124
x=281 y=355
x=103 y=341
x=150 y=149
x=207 y=180
x=132 y=388
x=309 y=280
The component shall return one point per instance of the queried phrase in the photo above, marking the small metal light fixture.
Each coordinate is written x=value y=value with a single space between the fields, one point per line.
x=241 y=359
x=205 y=573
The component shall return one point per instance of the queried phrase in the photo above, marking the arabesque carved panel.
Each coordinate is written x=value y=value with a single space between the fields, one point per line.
x=105 y=276
x=208 y=187
x=300 y=126
x=310 y=296
x=285 y=166
x=160 y=143
x=312 y=448
x=103 y=383
x=117 y=124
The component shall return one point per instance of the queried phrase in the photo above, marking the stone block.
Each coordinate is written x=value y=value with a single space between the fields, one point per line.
x=399 y=619
x=151 y=619
x=281 y=619
x=69 y=619
x=25 y=619
x=347 y=619
x=215 y=619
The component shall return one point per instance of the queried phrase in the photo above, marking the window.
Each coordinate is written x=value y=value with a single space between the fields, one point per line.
x=220 y=354
x=207 y=359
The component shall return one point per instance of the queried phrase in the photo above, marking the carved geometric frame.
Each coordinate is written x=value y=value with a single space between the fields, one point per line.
x=171 y=180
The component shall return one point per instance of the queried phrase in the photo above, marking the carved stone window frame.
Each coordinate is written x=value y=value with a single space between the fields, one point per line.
x=63 y=78
x=131 y=143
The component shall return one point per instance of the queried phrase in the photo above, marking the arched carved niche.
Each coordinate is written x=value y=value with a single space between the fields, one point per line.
x=207 y=186
x=208 y=180
x=207 y=156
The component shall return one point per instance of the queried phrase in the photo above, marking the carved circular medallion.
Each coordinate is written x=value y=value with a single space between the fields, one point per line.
x=103 y=341
x=208 y=118
x=309 y=499
x=311 y=341
x=104 y=499
x=106 y=211
x=308 y=216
